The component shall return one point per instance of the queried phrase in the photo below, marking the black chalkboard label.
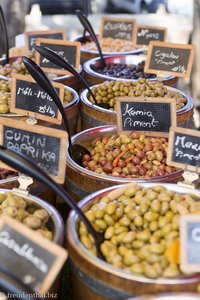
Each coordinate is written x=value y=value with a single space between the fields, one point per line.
x=32 y=36
x=46 y=147
x=70 y=51
x=28 y=98
x=32 y=258
x=146 y=34
x=169 y=58
x=184 y=148
x=190 y=243
x=148 y=115
x=118 y=28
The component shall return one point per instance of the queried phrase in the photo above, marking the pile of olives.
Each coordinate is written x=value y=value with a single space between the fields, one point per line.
x=20 y=209
x=141 y=229
x=5 y=95
x=131 y=155
x=108 y=91
x=16 y=66
x=110 y=45
x=125 y=71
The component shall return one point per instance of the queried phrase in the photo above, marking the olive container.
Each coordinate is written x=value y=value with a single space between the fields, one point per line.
x=90 y=54
x=93 y=115
x=68 y=79
x=94 y=77
x=36 y=189
x=93 y=278
x=71 y=109
x=80 y=182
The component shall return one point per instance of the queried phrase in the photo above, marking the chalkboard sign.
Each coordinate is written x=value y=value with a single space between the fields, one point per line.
x=184 y=149
x=31 y=36
x=70 y=51
x=46 y=147
x=190 y=243
x=32 y=258
x=169 y=58
x=28 y=98
x=148 y=115
x=118 y=28
x=146 y=34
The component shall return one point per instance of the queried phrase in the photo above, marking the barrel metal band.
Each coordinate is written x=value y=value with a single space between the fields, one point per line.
x=98 y=287
x=92 y=121
x=77 y=190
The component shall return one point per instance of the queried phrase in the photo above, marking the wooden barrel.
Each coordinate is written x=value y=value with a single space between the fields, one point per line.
x=93 y=278
x=71 y=111
x=93 y=115
x=89 y=54
x=80 y=182
x=70 y=80
x=93 y=77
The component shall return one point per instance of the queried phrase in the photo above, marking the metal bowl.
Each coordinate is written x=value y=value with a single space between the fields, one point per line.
x=81 y=182
x=109 y=280
x=93 y=115
x=94 y=77
x=55 y=223
x=89 y=54
x=173 y=296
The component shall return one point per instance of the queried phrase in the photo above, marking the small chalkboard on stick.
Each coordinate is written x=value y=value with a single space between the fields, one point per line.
x=118 y=28
x=190 y=243
x=28 y=98
x=32 y=258
x=31 y=36
x=149 y=115
x=184 y=149
x=70 y=51
x=145 y=34
x=170 y=59
x=46 y=147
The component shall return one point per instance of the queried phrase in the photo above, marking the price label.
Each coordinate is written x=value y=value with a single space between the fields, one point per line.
x=118 y=28
x=70 y=51
x=146 y=34
x=148 y=115
x=46 y=147
x=31 y=257
x=28 y=98
x=32 y=36
x=184 y=149
x=169 y=58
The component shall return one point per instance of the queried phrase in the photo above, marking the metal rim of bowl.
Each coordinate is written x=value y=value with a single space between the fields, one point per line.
x=95 y=52
x=67 y=105
x=75 y=97
x=13 y=58
x=105 y=130
x=168 y=296
x=84 y=98
x=72 y=235
x=53 y=213
x=88 y=69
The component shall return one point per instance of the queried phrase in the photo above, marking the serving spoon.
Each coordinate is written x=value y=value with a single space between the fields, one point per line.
x=23 y=164
x=76 y=151
x=87 y=25
x=5 y=34
x=61 y=62
x=86 y=11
